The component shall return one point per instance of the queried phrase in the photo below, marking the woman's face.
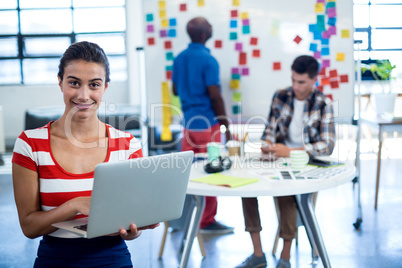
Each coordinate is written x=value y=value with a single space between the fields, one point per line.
x=83 y=86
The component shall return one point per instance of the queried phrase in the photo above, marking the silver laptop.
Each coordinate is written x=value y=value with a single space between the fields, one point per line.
x=143 y=191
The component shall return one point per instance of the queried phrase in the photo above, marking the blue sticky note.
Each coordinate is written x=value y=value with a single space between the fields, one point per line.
x=233 y=24
x=317 y=35
x=233 y=36
x=172 y=22
x=246 y=29
x=325 y=51
x=169 y=56
x=324 y=41
x=169 y=68
x=236 y=76
x=313 y=47
x=149 y=17
x=172 y=33
x=332 y=21
x=312 y=28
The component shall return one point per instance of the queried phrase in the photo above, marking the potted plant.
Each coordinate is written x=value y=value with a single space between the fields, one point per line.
x=381 y=71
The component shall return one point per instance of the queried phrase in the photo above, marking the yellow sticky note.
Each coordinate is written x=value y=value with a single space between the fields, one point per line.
x=236 y=97
x=236 y=3
x=345 y=33
x=166 y=134
x=201 y=3
x=275 y=28
x=340 y=56
x=234 y=84
x=164 y=23
x=162 y=4
x=162 y=13
x=244 y=15
x=319 y=7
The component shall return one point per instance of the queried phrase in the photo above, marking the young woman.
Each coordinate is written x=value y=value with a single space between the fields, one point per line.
x=53 y=167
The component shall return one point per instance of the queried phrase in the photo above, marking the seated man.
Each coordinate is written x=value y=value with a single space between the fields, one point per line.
x=301 y=118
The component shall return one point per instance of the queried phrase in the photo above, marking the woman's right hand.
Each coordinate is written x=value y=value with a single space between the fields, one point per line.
x=81 y=204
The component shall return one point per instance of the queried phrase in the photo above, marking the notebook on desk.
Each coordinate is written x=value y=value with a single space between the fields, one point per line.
x=143 y=191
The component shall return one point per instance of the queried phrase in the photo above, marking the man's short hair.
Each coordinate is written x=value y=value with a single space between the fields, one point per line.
x=306 y=64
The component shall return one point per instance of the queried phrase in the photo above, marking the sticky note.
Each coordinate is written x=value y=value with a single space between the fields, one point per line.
x=233 y=14
x=320 y=88
x=317 y=55
x=317 y=35
x=235 y=71
x=325 y=51
x=151 y=41
x=169 y=68
x=165 y=87
x=326 y=63
x=322 y=71
x=218 y=43
x=236 y=109
x=276 y=66
x=168 y=44
x=183 y=7
x=164 y=23
x=324 y=41
x=149 y=17
x=331 y=21
x=324 y=81
x=233 y=36
x=166 y=134
x=245 y=71
x=172 y=33
x=256 y=53
x=312 y=28
x=201 y=3
x=325 y=35
x=234 y=84
x=340 y=56
x=275 y=28
x=162 y=13
x=320 y=23
x=239 y=47
x=297 y=39
x=333 y=73
x=236 y=3
x=236 y=76
x=253 y=41
x=236 y=97
x=150 y=28
x=244 y=15
x=162 y=4
x=246 y=29
x=313 y=47
x=331 y=12
x=332 y=30
x=233 y=24
x=331 y=4
x=169 y=75
x=169 y=56
x=345 y=33
x=330 y=97
x=162 y=33
x=245 y=22
x=334 y=84
x=242 y=58
x=344 y=78
x=319 y=7
x=172 y=22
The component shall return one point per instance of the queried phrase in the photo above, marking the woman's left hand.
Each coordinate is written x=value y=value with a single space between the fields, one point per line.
x=135 y=232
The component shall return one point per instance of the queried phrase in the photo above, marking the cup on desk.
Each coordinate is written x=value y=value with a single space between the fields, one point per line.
x=214 y=150
x=233 y=147
x=298 y=159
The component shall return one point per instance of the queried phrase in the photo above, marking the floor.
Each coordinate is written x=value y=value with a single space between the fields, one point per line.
x=378 y=243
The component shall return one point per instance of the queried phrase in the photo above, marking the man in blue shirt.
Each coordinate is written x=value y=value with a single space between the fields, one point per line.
x=196 y=82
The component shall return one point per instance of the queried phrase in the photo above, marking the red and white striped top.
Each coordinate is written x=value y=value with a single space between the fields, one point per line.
x=32 y=150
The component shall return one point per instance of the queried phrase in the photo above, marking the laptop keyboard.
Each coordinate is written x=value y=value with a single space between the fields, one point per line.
x=82 y=227
x=323 y=173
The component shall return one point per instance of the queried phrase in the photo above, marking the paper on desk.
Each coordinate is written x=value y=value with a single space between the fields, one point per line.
x=223 y=180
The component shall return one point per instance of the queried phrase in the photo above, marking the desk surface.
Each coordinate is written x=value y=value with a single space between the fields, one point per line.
x=265 y=186
x=372 y=118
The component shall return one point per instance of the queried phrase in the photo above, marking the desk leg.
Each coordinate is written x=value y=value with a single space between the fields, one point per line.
x=305 y=205
x=193 y=228
x=377 y=184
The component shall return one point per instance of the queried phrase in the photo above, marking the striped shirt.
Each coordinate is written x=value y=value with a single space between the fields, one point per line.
x=318 y=121
x=32 y=150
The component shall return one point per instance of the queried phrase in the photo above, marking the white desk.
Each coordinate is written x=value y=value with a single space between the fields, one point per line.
x=303 y=189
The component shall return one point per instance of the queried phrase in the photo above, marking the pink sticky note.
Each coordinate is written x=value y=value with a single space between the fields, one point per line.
x=245 y=71
x=326 y=63
x=325 y=35
x=331 y=12
x=331 y=30
x=163 y=33
x=317 y=54
x=239 y=47
x=235 y=70
x=246 y=22
x=320 y=1
x=150 y=28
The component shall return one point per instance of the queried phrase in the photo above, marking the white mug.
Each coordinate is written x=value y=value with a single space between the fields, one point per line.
x=298 y=159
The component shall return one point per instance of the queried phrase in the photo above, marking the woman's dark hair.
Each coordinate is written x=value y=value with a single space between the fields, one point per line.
x=87 y=51
x=306 y=64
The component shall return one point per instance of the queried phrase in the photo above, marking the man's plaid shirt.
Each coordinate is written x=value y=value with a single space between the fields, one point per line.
x=319 y=127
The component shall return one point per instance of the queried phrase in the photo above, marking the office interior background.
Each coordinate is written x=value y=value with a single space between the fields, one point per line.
x=34 y=34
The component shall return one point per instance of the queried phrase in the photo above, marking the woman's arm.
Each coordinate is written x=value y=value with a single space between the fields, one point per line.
x=35 y=222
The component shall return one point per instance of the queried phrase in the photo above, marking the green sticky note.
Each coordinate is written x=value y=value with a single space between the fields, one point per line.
x=224 y=180
x=236 y=76
x=233 y=36
x=331 y=4
x=169 y=56
x=236 y=97
x=150 y=17
x=169 y=68
x=246 y=29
